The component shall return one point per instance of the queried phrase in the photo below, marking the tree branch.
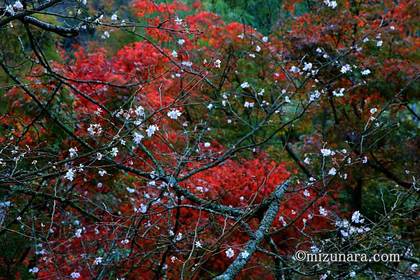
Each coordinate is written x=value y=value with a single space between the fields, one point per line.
x=251 y=247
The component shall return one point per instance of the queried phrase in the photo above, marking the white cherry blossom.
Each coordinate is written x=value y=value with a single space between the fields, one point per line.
x=230 y=253
x=345 y=68
x=34 y=270
x=18 y=5
x=323 y=211
x=245 y=85
x=137 y=138
x=174 y=114
x=151 y=130
x=326 y=152
x=75 y=275
x=365 y=72
x=332 y=171
x=73 y=152
x=70 y=174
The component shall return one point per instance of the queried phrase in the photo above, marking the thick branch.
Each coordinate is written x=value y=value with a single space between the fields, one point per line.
x=60 y=30
x=28 y=12
x=251 y=247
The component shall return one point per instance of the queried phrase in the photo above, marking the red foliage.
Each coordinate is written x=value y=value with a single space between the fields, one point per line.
x=145 y=73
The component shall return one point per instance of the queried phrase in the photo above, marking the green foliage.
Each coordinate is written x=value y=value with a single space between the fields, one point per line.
x=11 y=247
x=262 y=14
